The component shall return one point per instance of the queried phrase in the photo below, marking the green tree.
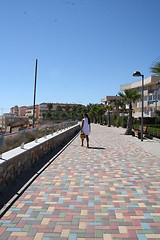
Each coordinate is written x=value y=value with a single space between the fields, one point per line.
x=74 y=108
x=80 y=111
x=93 y=112
x=74 y=112
x=67 y=110
x=117 y=103
x=49 y=105
x=64 y=116
x=44 y=116
x=156 y=67
x=58 y=112
x=130 y=96
x=89 y=107
x=100 y=113
x=49 y=113
x=109 y=108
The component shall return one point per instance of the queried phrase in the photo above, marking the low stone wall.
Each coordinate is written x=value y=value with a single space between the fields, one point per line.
x=25 y=158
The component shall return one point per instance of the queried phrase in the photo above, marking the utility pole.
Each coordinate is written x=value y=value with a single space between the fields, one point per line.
x=35 y=91
x=2 y=121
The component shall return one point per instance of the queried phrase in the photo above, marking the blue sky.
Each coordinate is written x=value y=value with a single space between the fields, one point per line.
x=85 y=49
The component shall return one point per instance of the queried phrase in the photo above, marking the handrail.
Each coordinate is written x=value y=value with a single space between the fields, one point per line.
x=9 y=141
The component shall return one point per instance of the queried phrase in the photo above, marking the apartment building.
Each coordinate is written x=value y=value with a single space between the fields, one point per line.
x=25 y=111
x=14 y=110
x=40 y=109
x=43 y=107
x=22 y=110
x=110 y=100
x=151 y=96
x=29 y=111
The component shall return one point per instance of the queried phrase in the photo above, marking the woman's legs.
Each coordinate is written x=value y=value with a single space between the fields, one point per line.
x=82 y=141
x=87 y=138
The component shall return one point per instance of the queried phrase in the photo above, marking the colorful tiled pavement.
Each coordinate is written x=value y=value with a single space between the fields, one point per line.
x=109 y=191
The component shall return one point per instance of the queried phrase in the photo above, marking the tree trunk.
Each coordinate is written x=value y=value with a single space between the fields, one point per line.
x=129 y=121
x=109 y=119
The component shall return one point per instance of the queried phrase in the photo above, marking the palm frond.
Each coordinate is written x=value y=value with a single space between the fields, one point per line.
x=130 y=95
x=156 y=67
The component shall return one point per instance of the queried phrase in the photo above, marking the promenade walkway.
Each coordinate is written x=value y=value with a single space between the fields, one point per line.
x=109 y=191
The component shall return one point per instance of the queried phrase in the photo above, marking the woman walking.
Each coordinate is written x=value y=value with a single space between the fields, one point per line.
x=85 y=128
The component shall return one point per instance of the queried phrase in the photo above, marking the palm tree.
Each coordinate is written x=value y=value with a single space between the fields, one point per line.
x=48 y=114
x=49 y=105
x=80 y=111
x=100 y=113
x=109 y=108
x=67 y=110
x=117 y=104
x=156 y=67
x=74 y=114
x=90 y=112
x=130 y=96
x=123 y=107
x=58 y=112
x=93 y=112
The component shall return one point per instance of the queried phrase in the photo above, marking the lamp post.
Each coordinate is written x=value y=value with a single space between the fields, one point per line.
x=138 y=74
x=157 y=83
x=35 y=92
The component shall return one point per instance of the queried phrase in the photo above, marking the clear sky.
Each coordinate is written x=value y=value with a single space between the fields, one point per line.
x=85 y=49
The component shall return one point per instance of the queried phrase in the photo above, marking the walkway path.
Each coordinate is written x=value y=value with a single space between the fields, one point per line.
x=109 y=191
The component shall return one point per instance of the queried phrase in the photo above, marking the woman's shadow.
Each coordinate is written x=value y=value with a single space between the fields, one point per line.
x=99 y=148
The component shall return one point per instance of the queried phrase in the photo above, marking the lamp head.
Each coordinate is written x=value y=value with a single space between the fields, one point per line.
x=137 y=74
x=157 y=83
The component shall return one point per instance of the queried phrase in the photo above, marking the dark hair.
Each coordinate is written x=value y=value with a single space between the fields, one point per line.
x=86 y=115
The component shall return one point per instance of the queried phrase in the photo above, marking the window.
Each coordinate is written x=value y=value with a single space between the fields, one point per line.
x=150 y=97
x=139 y=90
x=145 y=98
x=151 y=91
x=154 y=97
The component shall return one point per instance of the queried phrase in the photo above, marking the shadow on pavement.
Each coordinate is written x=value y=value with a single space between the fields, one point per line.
x=99 y=148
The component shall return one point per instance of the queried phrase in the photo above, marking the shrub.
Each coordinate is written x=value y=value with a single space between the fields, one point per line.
x=154 y=132
x=117 y=122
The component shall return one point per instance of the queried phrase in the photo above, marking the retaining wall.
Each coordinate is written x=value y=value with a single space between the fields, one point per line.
x=14 y=162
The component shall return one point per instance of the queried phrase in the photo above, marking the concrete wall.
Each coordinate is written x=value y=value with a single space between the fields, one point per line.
x=16 y=161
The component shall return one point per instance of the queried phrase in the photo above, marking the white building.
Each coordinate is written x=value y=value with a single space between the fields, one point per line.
x=111 y=100
x=151 y=96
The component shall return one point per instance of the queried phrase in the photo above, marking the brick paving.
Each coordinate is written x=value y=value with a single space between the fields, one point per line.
x=109 y=191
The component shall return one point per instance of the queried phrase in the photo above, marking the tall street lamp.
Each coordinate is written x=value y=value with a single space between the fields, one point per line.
x=35 y=92
x=157 y=83
x=138 y=74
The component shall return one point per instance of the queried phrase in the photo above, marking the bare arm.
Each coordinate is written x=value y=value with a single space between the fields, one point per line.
x=82 y=125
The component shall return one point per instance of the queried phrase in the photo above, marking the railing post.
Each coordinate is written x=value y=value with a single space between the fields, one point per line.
x=52 y=129
x=45 y=132
x=1 y=145
x=36 y=139
x=23 y=139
